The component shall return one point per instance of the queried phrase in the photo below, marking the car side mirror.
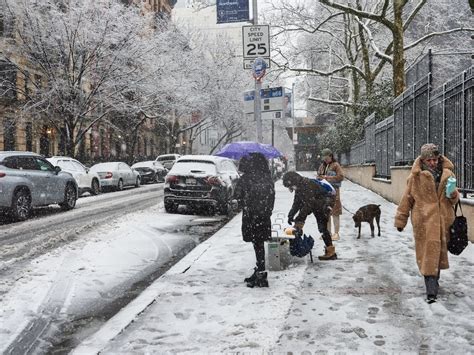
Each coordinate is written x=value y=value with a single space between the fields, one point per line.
x=57 y=169
x=87 y=170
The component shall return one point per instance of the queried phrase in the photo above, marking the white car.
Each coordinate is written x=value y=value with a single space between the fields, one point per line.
x=87 y=181
x=116 y=175
x=168 y=160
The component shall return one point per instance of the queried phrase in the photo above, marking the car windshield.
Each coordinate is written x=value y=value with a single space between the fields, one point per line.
x=193 y=167
x=166 y=157
x=104 y=166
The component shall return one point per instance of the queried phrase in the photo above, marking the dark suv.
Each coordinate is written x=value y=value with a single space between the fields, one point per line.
x=28 y=180
x=201 y=180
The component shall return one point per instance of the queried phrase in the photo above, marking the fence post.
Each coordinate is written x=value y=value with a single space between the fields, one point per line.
x=463 y=130
x=444 y=120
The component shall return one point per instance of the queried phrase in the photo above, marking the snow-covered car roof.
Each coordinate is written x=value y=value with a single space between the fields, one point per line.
x=112 y=165
x=145 y=164
x=4 y=154
x=206 y=158
x=165 y=157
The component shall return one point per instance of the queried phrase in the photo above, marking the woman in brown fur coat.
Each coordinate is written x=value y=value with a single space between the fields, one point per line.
x=332 y=172
x=431 y=214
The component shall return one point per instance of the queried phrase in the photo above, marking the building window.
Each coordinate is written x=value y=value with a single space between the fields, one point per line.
x=9 y=134
x=6 y=24
x=7 y=80
x=2 y=24
x=29 y=136
x=103 y=146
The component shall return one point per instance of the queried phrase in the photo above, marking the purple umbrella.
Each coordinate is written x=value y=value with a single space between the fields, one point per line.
x=237 y=150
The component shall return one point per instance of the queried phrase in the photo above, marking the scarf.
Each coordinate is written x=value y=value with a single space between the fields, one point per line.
x=437 y=172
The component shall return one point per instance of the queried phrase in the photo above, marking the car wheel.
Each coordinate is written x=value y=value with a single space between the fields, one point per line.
x=224 y=207
x=70 y=198
x=137 y=183
x=170 y=207
x=120 y=185
x=95 y=187
x=21 y=205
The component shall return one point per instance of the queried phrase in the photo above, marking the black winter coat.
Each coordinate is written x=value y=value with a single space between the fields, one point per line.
x=310 y=197
x=256 y=195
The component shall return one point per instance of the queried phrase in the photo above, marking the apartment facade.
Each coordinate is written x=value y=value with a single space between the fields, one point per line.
x=21 y=131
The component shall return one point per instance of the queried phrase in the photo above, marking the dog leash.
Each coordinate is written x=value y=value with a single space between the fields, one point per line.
x=347 y=209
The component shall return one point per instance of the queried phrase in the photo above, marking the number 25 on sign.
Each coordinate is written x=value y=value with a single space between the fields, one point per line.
x=256 y=41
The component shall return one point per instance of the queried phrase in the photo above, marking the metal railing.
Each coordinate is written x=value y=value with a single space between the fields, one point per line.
x=443 y=116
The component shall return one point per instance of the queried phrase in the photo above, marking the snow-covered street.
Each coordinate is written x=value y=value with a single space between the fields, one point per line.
x=74 y=287
x=369 y=300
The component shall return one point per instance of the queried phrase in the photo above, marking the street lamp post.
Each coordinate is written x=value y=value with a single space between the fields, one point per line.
x=293 y=113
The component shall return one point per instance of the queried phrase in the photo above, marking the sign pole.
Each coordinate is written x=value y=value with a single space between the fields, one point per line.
x=258 y=86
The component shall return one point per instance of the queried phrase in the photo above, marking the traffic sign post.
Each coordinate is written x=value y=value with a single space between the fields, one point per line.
x=256 y=43
x=259 y=68
x=256 y=48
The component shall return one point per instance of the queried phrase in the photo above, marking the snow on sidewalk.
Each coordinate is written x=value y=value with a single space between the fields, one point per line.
x=370 y=300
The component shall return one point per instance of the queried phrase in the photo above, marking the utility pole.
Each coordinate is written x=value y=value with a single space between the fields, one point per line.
x=258 y=87
x=293 y=114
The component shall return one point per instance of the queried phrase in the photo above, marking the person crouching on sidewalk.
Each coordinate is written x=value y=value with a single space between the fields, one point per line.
x=255 y=192
x=331 y=171
x=431 y=214
x=311 y=197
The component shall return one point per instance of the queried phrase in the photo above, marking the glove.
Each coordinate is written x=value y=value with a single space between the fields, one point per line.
x=399 y=229
x=290 y=220
x=298 y=232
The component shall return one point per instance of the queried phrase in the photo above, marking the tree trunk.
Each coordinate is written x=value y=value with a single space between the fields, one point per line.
x=398 y=52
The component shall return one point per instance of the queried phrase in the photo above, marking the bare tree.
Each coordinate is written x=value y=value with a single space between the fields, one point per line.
x=91 y=60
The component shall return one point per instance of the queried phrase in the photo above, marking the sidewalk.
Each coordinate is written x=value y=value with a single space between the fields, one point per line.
x=369 y=300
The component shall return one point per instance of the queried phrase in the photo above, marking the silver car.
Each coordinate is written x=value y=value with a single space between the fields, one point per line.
x=28 y=180
x=116 y=175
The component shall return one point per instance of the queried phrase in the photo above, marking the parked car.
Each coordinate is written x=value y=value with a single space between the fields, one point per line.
x=116 y=175
x=201 y=180
x=150 y=171
x=28 y=180
x=87 y=181
x=168 y=160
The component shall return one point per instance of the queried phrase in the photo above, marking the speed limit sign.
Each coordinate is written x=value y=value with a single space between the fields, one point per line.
x=256 y=42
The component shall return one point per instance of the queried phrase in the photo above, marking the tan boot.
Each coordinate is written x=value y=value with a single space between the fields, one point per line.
x=329 y=253
x=335 y=236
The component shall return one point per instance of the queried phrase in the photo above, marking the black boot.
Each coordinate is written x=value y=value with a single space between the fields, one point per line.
x=432 y=285
x=252 y=277
x=259 y=281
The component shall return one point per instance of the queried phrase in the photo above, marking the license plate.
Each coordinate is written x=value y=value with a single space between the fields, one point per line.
x=190 y=181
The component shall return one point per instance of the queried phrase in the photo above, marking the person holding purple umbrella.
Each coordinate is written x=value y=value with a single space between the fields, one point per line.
x=255 y=192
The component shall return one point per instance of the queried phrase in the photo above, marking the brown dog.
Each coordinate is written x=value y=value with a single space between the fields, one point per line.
x=367 y=214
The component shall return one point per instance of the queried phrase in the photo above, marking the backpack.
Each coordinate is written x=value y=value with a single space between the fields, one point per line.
x=325 y=185
x=301 y=246
x=458 y=233
x=260 y=197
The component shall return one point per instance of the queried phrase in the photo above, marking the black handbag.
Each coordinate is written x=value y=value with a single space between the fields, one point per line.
x=458 y=233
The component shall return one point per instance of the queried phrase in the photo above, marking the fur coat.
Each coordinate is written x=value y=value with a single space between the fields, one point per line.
x=431 y=216
x=334 y=175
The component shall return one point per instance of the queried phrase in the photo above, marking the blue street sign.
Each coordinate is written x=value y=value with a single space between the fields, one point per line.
x=232 y=11
x=259 y=66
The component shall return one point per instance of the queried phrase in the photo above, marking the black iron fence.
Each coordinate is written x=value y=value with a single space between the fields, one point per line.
x=443 y=116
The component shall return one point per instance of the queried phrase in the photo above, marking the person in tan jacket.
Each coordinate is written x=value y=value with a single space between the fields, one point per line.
x=431 y=212
x=331 y=171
